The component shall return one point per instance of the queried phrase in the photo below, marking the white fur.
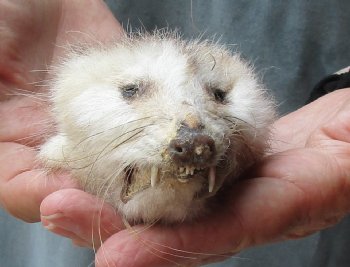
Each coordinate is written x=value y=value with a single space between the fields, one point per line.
x=95 y=122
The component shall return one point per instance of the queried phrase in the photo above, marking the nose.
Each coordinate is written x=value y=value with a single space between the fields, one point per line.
x=192 y=147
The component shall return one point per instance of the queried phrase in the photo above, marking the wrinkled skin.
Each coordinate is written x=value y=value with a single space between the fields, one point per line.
x=300 y=188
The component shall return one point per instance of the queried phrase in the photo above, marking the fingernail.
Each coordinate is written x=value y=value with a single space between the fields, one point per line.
x=52 y=216
x=296 y=234
x=58 y=220
x=47 y=220
x=50 y=226
x=80 y=243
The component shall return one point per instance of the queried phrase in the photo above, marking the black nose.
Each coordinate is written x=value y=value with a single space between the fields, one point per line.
x=191 y=147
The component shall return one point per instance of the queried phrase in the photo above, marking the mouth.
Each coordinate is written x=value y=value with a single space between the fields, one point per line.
x=188 y=172
x=139 y=179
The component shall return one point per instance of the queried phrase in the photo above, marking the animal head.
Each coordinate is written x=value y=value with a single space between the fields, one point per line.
x=157 y=125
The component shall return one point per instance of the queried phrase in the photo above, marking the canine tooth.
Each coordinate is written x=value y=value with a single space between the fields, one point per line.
x=211 y=179
x=192 y=170
x=187 y=170
x=181 y=169
x=154 y=176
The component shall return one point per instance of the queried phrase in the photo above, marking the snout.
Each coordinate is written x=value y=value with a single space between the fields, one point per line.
x=192 y=147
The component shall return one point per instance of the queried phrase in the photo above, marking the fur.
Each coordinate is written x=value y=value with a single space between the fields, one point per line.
x=103 y=135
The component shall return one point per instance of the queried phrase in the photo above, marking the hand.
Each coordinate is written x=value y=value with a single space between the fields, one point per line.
x=33 y=37
x=300 y=188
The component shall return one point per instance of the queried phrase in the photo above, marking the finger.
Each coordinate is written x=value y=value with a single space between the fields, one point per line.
x=154 y=247
x=82 y=214
x=22 y=187
x=285 y=137
x=24 y=120
x=322 y=179
x=337 y=128
x=170 y=246
x=62 y=232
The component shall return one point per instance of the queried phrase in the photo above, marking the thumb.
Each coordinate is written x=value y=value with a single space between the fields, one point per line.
x=80 y=216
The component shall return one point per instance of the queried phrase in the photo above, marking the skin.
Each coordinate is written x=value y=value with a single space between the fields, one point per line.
x=301 y=187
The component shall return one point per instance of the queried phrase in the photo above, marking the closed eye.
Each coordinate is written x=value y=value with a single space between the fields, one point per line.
x=219 y=95
x=130 y=90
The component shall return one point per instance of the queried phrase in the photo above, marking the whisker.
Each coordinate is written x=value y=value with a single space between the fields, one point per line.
x=112 y=128
x=72 y=160
x=234 y=119
x=119 y=144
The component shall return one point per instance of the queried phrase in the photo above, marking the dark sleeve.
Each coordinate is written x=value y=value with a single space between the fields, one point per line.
x=330 y=84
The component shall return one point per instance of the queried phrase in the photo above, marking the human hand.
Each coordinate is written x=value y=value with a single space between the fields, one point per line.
x=302 y=187
x=33 y=35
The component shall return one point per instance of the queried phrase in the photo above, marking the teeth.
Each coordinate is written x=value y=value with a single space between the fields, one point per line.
x=183 y=174
x=211 y=179
x=183 y=180
x=154 y=176
x=192 y=170
x=188 y=170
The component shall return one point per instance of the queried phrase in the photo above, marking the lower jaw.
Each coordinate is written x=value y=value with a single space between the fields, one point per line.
x=137 y=180
x=170 y=202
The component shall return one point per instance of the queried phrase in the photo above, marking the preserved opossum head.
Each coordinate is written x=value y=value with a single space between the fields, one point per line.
x=156 y=125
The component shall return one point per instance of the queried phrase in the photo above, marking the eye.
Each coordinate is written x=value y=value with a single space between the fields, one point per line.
x=220 y=95
x=129 y=90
